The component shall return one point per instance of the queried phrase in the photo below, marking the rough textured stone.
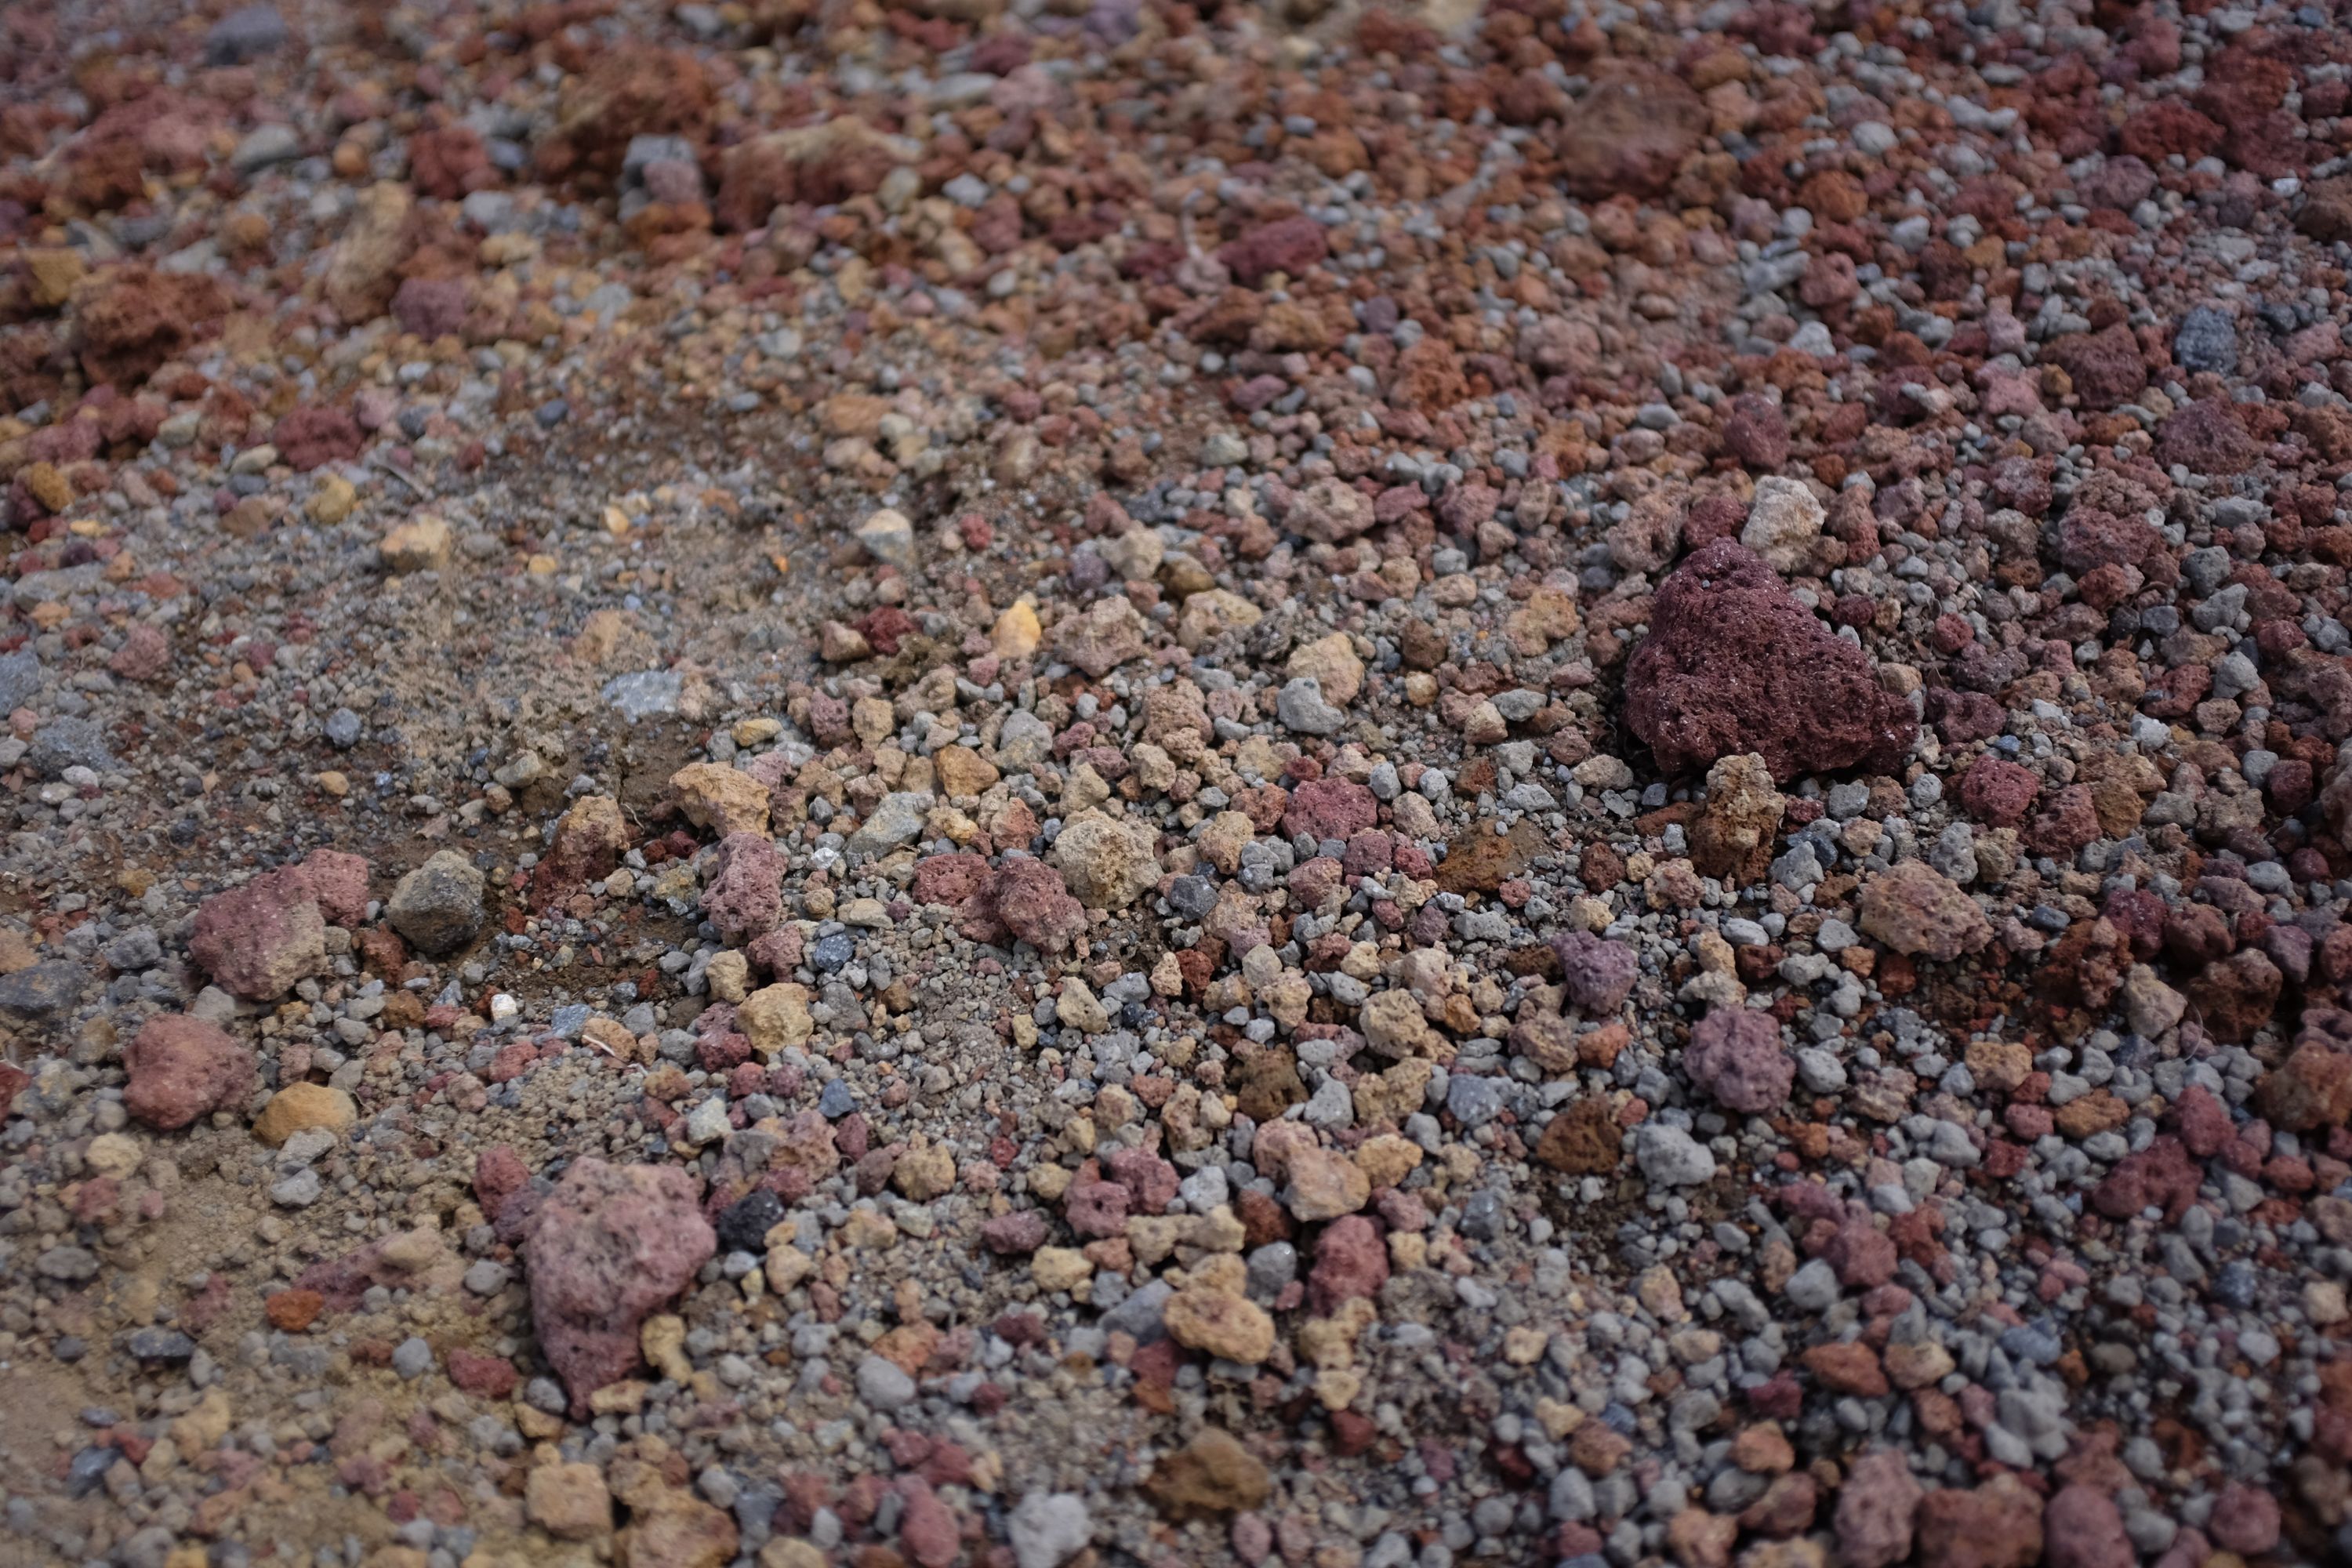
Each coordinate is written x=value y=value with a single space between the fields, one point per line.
x=743 y=895
x=259 y=938
x=1734 y=665
x=181 y=1068
x=439 y=906
x=1735 y=1055
x=1210 y=1475
x=1107 y=861
x=1915 y=909
x=1630 y=132
x=608 y=1246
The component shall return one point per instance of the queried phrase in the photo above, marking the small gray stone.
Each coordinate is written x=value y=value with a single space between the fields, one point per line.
x=66 y=742
x=412 y=1359
x=2208 y=340
x=439 y=906
x=299 y=1191
x=1139 y=1315
x=1670 y=1157
x=266 y=145
x=135 y=950
x=1814 y=1288
x=1475 y=1101
x=43 y=991
x=158 y=1344
x=1047 y=1529
x=72 y=1264
x=650 y=694
x=245 y=34
x=883 y=1385
x=21 y=679
x=897 y=818
x=1302 y=709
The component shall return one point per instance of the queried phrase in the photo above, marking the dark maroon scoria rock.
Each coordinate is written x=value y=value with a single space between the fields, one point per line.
x=1597 y=975
x=1629 y=132
x=1733 y=663
x=744 y=896
x=1033 y=902
x=1290 y=244
x=182 y=1068
x=311 y=436
x=608 y=1246
x=1735 y=1055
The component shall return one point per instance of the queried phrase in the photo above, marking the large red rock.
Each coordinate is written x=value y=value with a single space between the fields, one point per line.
x=1875 y=1511
x=1029 y=899
x=258 y=940
x=1629 y=132
x=1733 y=663
x=608 y=1246
x=131 y=319
x=1996 y=1525
x=182 y=1069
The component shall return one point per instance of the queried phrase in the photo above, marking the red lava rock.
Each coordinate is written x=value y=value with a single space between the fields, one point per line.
x=1998 y=793
x=258 y=940
x=743 y=895
x=2207 y=438
x=1150 y=1181
x=1597 y=975
x=145 y=653
x=1734 y=663
x=609 y=1246
x=2066 y=822
x=1014 y=1234
x=1757 y=435
x=2106 y=366
x=589 y=842
x=131 y=319
x=2083 y=1528
x=1875 y=1511
x=1329 y=808
x=949 y=878
x=2245 y=1521
x=1352 y=1262
x=431 y=307
x=2235 y=996
x=450 y=162
x=2311 y=1089
x=181 y=1068
x=927 y=1527
x=1735 y=1055
x=1996 y=1525
x=1035 y=905
x=2160 y=1176
x=498 y=1175
x=1630 y=132
x=628 y=93
x=1095 y=1208
x=337 y=882
x=491 y=1377
x=1290 y=244
x=310 y=437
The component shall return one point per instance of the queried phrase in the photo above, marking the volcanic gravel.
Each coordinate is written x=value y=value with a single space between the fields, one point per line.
x=1095 y=783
